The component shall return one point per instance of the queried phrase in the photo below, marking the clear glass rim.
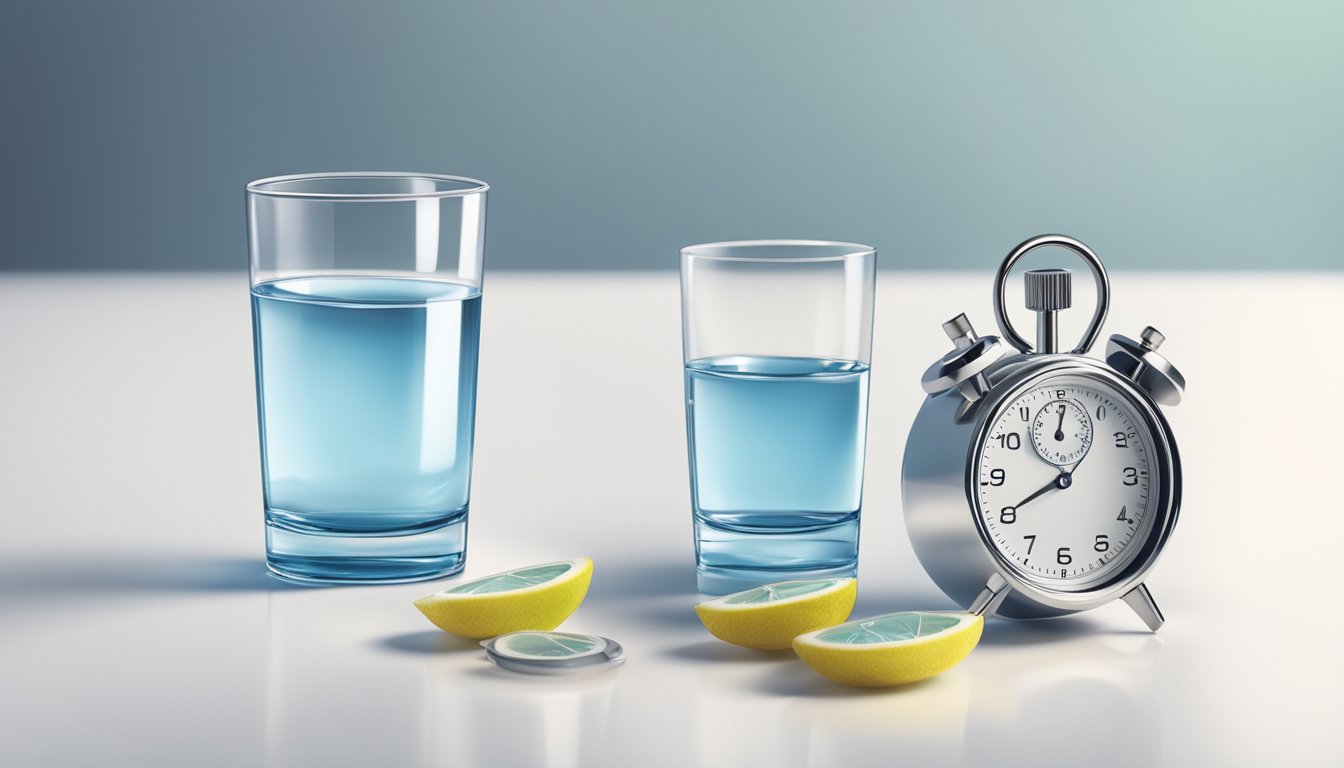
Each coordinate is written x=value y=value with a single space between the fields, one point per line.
x=272 y=186
x=806 y=251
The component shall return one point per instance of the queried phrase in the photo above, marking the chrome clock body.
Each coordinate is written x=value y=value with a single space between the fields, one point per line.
x=960 y=543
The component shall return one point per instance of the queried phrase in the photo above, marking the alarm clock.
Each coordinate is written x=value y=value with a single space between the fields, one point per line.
x=1040 y=483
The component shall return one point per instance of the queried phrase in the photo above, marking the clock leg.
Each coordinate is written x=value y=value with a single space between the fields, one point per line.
x=1141 y=600
x=996 y=589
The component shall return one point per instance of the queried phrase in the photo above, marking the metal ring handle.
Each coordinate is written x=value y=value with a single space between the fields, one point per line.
x=1098 y=276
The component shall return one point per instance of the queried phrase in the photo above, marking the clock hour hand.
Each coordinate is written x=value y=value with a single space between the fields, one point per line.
x=1059 y=430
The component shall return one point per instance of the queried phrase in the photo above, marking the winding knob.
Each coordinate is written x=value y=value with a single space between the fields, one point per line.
x=960 y=331
x=1049 y=290
x=1141 y=362
x=1151 y=339
x=963 y=366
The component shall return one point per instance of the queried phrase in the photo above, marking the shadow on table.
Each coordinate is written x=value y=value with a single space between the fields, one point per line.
x=1006 y=632
x=83 y=576
x=798 y=680
x=716 y=651
x=659 y=593
x=668 y=613
x=428 y=643
x=625 y=580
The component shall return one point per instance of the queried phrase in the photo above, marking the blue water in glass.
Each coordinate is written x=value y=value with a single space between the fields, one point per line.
x=777 y=447
x=367 y=396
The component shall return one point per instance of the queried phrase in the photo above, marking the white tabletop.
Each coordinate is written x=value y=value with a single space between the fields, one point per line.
x=138 y=627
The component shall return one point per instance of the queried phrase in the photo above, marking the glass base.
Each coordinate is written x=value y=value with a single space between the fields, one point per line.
x=725 y=581
x=324 y=558
x=730 y=560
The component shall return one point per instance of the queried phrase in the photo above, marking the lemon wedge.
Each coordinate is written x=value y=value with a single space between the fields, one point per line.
x=538 y=597
x=892 y=649
x=769 y=617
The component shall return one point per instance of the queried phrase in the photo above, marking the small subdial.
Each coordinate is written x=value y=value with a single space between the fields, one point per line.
x=1062 y=432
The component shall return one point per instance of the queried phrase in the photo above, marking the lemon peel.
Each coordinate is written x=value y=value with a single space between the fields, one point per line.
x=892 y=649
x=769 y=617
x=538 y=597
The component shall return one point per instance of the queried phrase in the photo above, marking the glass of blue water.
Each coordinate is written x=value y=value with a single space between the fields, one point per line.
x=777 y=339
x=366 y=317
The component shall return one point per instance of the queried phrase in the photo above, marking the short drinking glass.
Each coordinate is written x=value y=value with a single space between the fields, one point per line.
x=777 y=338
x=366 y=312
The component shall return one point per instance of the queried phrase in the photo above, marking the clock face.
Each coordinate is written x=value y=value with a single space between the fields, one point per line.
x=1066 y=481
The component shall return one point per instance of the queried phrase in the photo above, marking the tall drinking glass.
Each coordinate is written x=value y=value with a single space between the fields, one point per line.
x=366 y=316
x=777 y=338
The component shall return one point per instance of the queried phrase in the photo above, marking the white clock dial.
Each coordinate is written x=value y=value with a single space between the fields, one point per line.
x=1067 y=511
x=1062 y=431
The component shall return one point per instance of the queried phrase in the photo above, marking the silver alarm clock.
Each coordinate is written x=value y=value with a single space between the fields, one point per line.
x=1044 y=483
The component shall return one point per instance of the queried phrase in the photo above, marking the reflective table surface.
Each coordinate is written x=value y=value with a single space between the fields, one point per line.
x=138 y=625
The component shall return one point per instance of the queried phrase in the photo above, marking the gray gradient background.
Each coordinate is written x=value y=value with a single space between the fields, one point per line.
x=1167 y=135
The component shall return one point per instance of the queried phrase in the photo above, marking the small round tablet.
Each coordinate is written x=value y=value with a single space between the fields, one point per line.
x=552 y=653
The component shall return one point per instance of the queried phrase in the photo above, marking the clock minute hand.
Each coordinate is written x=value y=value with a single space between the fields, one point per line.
x=1064 y=480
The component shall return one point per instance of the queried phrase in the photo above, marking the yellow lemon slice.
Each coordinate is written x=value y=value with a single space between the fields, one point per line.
x=769 y=617
x=538 y=597
x=891 y=649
